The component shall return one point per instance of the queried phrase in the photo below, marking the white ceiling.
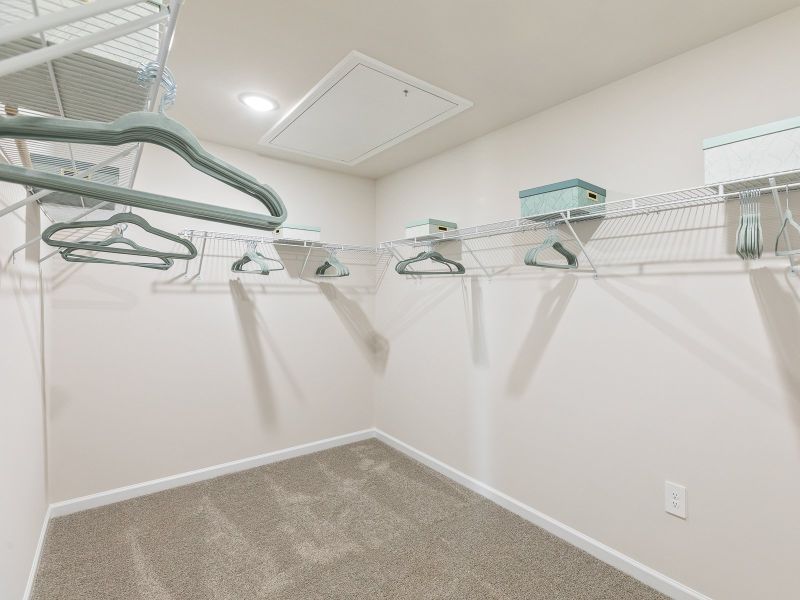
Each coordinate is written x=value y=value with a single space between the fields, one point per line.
x=512 y=58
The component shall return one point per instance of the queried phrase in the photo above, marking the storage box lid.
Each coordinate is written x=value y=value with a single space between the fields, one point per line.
x=436 y=222
x=752 y=132
x=562 y=185
x=300 y=227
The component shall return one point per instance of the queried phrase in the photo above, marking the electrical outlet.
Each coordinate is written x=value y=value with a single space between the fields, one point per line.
x=675 y=499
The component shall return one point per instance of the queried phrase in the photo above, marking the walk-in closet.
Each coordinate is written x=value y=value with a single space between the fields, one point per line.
x=383 y=300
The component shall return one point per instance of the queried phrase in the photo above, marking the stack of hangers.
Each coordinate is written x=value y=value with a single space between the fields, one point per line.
x=749 y=236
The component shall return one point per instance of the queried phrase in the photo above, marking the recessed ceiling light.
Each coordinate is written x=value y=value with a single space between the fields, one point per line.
x=258 y=102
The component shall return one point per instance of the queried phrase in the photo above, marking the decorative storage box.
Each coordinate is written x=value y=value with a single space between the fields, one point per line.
x=753 y=152
x=425 y=227
x=305 y=233
x=573 y=193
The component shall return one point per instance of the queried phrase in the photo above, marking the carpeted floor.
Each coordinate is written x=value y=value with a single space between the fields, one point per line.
x=356 y=522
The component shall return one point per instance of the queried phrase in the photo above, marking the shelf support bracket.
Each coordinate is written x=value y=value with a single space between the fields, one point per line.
x=580 y=244
x=480 y=264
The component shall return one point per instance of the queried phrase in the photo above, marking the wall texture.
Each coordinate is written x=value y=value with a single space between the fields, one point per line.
x=23 y=499
x=152 y=374
x=580 y=397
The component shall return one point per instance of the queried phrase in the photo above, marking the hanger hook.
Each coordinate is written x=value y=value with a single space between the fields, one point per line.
x=146 y=74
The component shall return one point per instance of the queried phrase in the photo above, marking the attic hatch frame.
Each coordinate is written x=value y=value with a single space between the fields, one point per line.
x=121 y=20
x=337 y=75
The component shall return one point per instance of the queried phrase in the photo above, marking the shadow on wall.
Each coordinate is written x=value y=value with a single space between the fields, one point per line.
x=781 y=317
x=420 y=302
x=371 y=342
x=253 y=332
x=476 y=326
x=292 y=259
x=23 y=286
x=713 y=353
x=549 y=312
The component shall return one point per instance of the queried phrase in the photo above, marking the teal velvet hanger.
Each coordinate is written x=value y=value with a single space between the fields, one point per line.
x=141 y=127
x=532 y=257
x=264 y=264
x=339 y=269
x=118 y=244
x=788 y=221
x=69 y=255
x=454 y=268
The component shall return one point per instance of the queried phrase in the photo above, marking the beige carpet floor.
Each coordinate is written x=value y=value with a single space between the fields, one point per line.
x=357 y=522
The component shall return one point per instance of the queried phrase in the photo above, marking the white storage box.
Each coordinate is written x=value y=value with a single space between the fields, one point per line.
x=305 y=233
x=753 y=152
x=425 y=227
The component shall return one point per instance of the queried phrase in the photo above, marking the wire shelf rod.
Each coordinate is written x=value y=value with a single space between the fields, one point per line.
x=23 y=28
x=629 y=206
x=171 y=11
x=276 y=241
x=42 y=55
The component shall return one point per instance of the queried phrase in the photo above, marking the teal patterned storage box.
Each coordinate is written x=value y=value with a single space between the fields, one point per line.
x=574 y=193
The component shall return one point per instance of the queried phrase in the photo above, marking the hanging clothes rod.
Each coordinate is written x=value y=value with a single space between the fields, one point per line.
x=49 y=53
x=36 y=25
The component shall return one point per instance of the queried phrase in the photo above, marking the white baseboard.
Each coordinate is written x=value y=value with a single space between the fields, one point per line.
x=157 y=485
x=608 y=555
x=37 y=555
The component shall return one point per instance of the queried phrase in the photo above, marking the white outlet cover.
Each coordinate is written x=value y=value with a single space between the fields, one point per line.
x=675 y=499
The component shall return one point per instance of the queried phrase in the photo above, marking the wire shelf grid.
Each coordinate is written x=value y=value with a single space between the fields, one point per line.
x=100 y=82
x=684 y=198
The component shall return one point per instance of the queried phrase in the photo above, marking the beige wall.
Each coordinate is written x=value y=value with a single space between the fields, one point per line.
x=150 y=375
x=22 y=465
x=580 y=397
x=574 y=395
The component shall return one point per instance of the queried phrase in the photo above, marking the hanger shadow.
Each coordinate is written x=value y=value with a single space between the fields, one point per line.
x=549 y=312
x=374 y=345
x=780 y=315
x=254 y=332
x=730 y=369
x=476 y=321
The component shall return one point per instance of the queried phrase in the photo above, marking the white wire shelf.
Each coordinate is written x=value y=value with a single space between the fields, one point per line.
x=216 y=244
x=684 y=198
x=244 y=239
x=99 y=81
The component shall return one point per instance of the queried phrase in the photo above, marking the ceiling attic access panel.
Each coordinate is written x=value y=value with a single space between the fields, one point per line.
x=359 y=109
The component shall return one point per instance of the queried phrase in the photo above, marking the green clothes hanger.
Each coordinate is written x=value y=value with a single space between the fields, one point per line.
x=551 y=241
x=117 y=243
x=265 y=264
x=339 y=269
x=454 y=268
x=788 y=220
x=141 y=127
x=69 y=255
